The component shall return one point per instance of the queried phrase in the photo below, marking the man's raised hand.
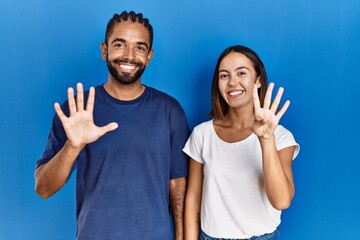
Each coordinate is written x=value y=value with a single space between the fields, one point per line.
x=79 y=126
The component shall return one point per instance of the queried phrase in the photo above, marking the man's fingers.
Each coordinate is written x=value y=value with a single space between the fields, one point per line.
x=80 y=97
x=71 y=101
x=110 y=127
x=91 y=100
x=59 y=112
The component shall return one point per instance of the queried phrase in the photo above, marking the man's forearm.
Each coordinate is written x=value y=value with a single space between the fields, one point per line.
x=177 y=202
x=51 y=176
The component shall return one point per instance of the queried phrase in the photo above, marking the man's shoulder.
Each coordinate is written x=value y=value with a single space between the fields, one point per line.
x=161 y=95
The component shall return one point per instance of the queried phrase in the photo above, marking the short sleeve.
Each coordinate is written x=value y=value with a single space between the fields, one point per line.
x=193 y=146
x=55 y=141
x=56 y=138
x=179 y=133
x=284 y=139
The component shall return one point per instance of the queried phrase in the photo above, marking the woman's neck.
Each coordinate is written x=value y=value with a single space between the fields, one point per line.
x=239 y=118
x=235 y=127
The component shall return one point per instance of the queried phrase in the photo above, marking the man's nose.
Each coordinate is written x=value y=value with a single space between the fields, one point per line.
x=129 y=54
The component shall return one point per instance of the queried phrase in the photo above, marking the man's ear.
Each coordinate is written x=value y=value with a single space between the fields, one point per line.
x=150 y=55
x=103 y=48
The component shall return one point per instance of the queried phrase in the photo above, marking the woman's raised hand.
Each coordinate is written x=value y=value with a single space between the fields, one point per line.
x=266 y=118
x=79 y=126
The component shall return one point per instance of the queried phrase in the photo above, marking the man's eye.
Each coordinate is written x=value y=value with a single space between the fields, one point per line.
x=141 y=48
x=118 y=45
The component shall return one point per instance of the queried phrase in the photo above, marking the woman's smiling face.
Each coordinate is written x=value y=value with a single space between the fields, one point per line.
x=237 y=77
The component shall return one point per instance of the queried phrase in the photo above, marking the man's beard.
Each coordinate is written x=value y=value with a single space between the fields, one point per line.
x=125 y=78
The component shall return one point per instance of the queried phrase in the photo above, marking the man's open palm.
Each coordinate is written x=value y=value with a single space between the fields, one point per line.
x=79 y=126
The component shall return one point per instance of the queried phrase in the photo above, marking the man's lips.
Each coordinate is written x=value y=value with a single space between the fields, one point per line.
x=127 y=67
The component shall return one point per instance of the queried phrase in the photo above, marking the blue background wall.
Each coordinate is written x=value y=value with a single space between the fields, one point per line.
x=309 y=47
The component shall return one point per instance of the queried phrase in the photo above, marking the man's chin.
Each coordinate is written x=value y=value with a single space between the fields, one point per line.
x=126 y=81
x=125 y=78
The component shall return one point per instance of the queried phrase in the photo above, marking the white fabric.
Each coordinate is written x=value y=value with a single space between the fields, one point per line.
x=234 y=202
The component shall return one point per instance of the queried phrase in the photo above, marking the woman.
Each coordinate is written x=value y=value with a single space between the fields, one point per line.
x=240 y=175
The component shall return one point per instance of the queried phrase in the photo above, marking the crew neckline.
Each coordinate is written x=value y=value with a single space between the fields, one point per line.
x=212 y=128
x=124 y=102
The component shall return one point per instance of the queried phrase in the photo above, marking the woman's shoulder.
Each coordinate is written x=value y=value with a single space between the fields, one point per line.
x=281 y=130
x=203 y=126
x=284 y=138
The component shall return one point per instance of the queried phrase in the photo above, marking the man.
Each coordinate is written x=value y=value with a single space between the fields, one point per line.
x=132 y=169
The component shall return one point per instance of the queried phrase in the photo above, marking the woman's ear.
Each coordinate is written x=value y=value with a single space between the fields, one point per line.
x=257 y=82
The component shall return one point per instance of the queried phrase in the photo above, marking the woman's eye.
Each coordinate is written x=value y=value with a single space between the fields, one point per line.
x=241 y=73
x=223 y=76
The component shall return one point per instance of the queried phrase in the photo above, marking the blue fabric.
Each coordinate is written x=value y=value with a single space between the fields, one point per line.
x=268 y=236
x=122 y=185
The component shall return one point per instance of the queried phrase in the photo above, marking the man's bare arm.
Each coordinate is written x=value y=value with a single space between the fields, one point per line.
x=80 y=130
x=50 y=177
x=177 y=202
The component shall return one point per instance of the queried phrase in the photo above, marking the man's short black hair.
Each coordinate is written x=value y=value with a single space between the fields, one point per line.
x=128 y=16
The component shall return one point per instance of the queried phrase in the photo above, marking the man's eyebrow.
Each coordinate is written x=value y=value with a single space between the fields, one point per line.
x=118 y=40
x=124 y=41
x=143 y=43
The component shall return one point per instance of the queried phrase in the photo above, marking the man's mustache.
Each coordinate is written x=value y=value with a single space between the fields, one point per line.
x=139 y=64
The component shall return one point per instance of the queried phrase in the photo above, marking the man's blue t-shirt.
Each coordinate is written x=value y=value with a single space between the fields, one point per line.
x=122 y=184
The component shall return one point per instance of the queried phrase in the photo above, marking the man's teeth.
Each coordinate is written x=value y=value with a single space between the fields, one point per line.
x=234 y=93
x=127 y=67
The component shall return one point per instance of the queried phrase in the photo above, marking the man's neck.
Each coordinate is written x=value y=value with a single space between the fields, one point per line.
x=124 y=92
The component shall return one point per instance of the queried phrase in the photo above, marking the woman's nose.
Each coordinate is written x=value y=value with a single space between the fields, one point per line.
x=233 y=81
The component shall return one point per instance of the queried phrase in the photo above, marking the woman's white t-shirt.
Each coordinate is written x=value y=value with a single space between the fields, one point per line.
x=234 y=202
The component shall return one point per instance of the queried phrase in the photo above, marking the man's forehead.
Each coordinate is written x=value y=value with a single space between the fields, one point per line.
x=129 y=25
x=129 y=28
